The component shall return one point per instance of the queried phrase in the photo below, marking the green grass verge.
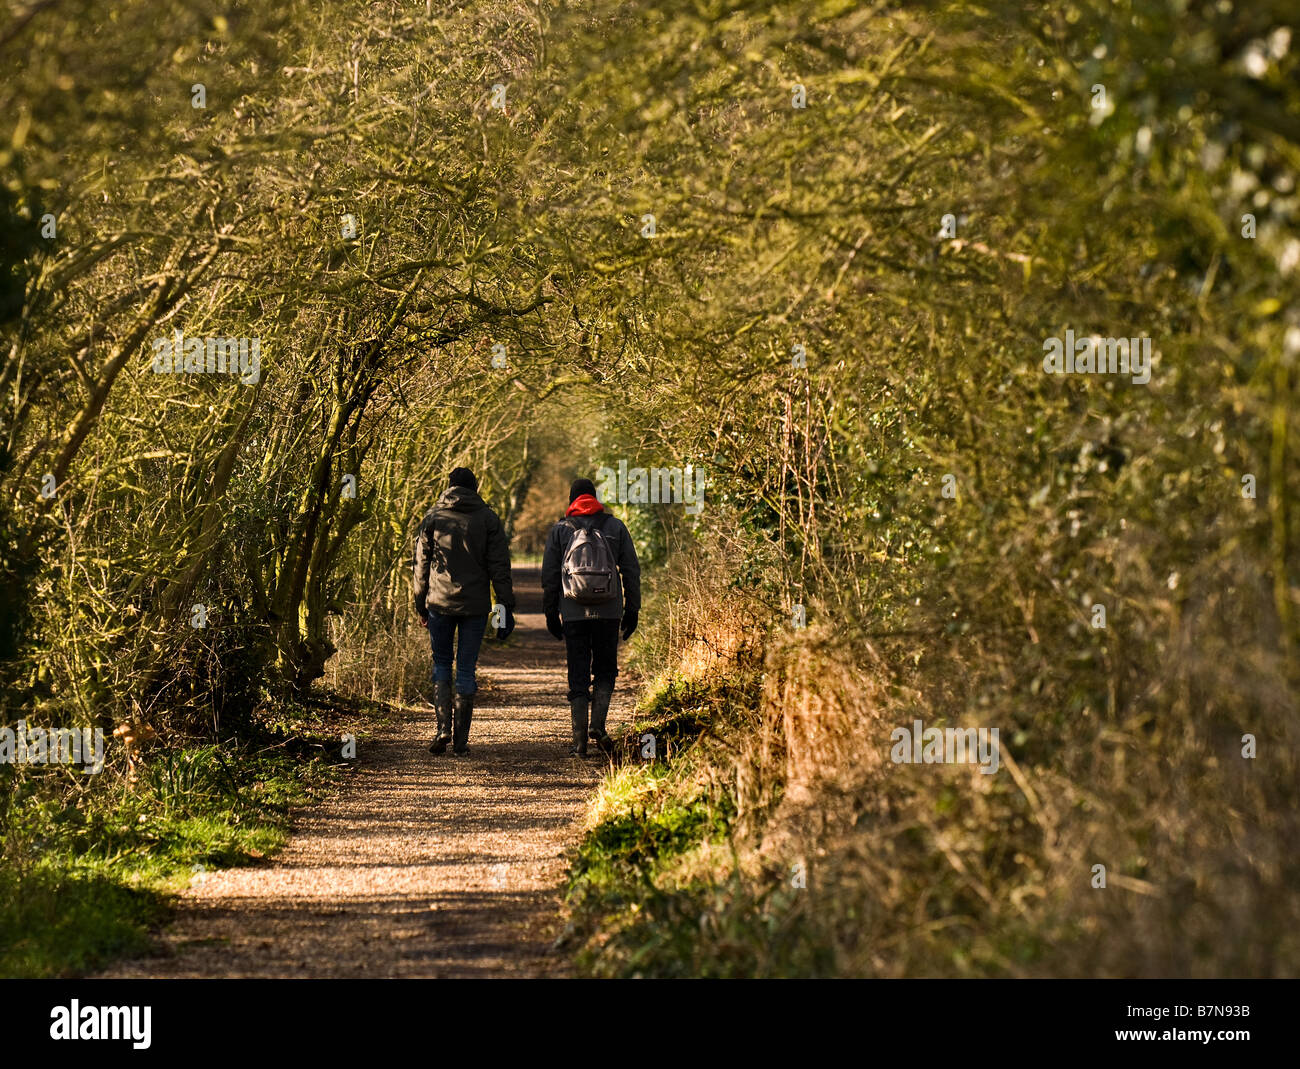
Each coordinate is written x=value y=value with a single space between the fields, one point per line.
x=652 y=890
x=89 y=864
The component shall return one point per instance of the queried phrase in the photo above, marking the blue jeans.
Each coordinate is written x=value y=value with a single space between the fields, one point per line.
x=442 y=635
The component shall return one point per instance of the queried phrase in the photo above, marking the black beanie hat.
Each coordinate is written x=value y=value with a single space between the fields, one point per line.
x=580 y=487
x=463 y=477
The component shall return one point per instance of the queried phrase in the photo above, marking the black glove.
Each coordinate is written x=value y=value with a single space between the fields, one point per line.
x=555 y=625
x=503 y=633
x=629 y=623
x=421 y=610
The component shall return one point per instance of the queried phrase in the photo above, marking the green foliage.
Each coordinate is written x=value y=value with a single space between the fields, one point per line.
x=642 y=900
x=86 y=872
x=776 y=227
x=631 y=913
x=632 y=847
x=613 y=888
x=65 y=922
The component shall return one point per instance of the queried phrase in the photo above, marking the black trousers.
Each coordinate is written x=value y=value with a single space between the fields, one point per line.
x=592 y=650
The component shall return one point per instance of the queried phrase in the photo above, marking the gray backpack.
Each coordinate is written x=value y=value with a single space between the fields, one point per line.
x=589 y=574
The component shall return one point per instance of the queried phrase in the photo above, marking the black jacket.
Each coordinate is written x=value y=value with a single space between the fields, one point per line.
x=460 y=548
x=628 y=589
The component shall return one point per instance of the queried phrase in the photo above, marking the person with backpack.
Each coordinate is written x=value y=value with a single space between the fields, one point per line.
x=591 y=590
x=461 y=547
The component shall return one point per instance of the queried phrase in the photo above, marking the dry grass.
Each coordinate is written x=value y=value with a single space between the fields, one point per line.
x=938 y=869
x=386 y=664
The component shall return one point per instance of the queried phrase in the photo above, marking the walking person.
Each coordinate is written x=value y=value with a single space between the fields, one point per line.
x=591 y=590
x=460 y=549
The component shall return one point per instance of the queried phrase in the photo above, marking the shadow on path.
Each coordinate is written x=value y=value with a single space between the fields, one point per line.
x=422 y=865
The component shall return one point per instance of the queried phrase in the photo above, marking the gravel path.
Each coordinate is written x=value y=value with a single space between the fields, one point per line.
x=422 y=866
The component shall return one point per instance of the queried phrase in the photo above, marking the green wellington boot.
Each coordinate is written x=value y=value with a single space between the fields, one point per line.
x=463 y=713
x=441 y=710
x=600 y=699
x=578 y=715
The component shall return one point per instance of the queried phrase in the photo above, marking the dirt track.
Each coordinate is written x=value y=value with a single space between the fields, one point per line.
x=422 y=866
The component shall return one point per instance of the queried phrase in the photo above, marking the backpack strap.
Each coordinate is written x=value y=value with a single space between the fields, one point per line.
x=604 y=514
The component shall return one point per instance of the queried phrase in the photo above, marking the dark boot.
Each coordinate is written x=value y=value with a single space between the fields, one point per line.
x=600 y=699
x=463 y=710
x=442 y=710
x=578 y=715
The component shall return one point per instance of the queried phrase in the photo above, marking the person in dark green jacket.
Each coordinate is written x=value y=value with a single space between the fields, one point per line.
x=461 y=555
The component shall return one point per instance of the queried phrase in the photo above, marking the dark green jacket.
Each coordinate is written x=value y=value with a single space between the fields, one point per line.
x=628 y=587
x=461 y=548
